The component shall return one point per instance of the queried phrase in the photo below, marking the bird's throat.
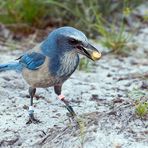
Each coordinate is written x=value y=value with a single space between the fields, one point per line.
x=68 y=63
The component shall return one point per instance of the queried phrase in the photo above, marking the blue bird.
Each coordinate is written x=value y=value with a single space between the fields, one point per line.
x=52 y=62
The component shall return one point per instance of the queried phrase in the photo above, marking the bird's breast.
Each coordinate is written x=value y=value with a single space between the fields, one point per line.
x=44 y=76
x=41 y=77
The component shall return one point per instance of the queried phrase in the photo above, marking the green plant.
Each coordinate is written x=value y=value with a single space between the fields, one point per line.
x=141 y=109
x=78 y=13
x=82 y=128
x=146 y=16
x=81 y=13
x=84 y=64
x=114 y=38
x=22 y=11
x=114 y=35
x=140 y=102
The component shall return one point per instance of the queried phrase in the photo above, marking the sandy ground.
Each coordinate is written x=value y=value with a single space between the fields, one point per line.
x=100 y=98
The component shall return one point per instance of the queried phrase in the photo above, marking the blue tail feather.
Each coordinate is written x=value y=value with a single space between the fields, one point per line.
x=11 y=66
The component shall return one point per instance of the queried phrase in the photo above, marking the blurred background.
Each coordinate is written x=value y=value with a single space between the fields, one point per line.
x=108 y=21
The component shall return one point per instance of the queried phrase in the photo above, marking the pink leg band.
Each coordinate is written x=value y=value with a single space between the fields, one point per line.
x=61 y=97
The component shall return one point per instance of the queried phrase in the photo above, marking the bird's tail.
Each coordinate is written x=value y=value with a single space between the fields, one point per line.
x=11 y=66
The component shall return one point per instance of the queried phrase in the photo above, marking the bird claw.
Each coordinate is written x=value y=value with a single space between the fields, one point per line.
x=33 y=120
x=75 y=121
x=71 y=111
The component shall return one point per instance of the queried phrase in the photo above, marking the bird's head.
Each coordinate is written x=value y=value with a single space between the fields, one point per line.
x=71 y=39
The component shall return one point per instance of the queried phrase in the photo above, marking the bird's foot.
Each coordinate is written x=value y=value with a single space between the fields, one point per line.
x=32 y=120
x=71 y=111
x=74 y=120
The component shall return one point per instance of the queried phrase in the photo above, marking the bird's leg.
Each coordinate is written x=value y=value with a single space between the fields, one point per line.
x=69 y=108
x=57 y=90
x=31 y=111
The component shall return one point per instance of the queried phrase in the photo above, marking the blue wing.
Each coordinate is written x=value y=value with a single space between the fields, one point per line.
x=32 y=60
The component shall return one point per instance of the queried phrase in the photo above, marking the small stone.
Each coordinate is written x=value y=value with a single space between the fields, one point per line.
x=25 y=107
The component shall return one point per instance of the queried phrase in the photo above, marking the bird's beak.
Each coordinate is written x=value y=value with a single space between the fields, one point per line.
x=89 y=51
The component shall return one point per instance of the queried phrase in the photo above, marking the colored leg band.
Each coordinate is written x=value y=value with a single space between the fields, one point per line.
x=31 y=110
x=61 y=97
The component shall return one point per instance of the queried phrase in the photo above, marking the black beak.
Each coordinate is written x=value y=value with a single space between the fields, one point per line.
x=89 y=51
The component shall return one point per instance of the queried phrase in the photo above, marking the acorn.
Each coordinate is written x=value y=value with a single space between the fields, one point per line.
x=96 y=55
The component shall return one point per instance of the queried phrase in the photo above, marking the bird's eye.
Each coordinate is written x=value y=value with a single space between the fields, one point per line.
x=73 y=41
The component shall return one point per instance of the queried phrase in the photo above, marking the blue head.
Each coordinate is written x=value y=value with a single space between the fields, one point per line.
x=68 y=39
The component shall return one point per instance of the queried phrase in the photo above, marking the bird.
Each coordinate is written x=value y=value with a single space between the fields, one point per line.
x=51 y=62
